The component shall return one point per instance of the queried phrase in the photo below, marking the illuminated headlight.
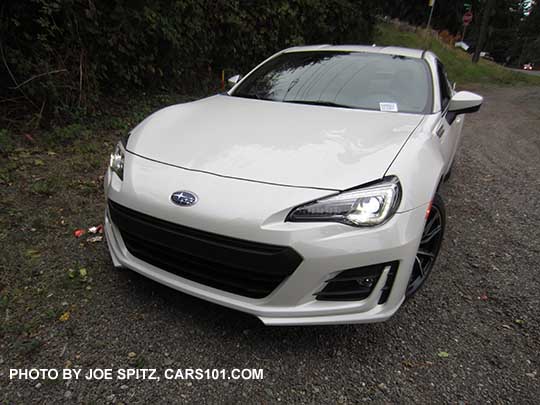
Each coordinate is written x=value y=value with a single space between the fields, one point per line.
x=367 y=206
x=117 y=160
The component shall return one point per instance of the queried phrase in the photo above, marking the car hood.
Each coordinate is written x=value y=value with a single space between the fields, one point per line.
x=272 y=142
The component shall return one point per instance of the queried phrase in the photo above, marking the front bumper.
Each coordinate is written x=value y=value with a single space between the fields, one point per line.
x=293 y=302
x=326 y=248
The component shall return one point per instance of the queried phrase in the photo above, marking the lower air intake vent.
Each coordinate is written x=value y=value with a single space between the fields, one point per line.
x=357 y=284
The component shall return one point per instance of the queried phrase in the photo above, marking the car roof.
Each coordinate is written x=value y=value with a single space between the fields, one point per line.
x=387 y=50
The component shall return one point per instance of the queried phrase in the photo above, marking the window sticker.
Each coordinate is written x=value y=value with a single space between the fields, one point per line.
x=388 y=107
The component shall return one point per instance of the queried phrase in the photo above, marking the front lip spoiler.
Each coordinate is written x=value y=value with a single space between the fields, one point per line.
x=232 y=177
x=361 y=317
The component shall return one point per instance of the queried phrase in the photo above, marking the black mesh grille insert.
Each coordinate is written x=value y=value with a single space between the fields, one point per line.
x=357 y=284
x=239 y=266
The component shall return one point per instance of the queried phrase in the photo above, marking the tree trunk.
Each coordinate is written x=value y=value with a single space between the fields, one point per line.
x=483 y=30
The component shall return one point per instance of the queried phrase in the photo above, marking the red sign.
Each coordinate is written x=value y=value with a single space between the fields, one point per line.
x=467 y=18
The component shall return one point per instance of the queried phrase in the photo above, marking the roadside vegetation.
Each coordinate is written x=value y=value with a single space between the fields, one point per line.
x=457 y=62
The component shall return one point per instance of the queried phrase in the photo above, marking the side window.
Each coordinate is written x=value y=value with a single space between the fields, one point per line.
x=444 y=86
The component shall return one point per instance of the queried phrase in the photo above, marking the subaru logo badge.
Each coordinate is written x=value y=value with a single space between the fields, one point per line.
x=184 y=198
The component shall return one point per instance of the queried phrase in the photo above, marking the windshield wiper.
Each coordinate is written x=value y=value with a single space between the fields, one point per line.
x=323 y=103
x=253 y=95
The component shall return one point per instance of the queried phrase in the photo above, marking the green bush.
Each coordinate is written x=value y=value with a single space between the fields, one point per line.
x=65 y=134
x=59 y=57
x=6 y=141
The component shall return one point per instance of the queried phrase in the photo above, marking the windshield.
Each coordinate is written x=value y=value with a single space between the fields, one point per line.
x=360 y=80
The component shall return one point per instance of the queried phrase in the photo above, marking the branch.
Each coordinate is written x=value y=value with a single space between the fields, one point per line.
x=7 y=66
x=36 y=76
x=13 y=77
x=80 y=77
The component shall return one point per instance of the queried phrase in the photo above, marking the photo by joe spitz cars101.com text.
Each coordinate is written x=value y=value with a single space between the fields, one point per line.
x=307 y=194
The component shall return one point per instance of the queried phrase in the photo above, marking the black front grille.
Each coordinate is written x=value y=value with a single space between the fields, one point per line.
x=238 y=266
x=357 y=284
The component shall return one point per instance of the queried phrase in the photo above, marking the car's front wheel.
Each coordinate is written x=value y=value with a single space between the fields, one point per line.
x=430 y=245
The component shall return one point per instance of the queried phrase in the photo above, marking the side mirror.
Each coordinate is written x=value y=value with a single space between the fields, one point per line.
x=234 y=79
x=465 y=102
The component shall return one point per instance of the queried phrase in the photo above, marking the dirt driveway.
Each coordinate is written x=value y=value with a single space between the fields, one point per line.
x=471 y=335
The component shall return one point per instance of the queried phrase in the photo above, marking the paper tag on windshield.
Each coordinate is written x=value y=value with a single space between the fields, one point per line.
x=388 y=107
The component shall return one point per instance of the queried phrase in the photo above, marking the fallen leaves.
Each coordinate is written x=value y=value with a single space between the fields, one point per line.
x=82 y=274
x=29 y=138
x=443 y=355
x=33 y=253
x=519 y=322
x=64 y=317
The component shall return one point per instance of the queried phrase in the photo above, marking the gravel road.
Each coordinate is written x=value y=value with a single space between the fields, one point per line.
x=470 y=335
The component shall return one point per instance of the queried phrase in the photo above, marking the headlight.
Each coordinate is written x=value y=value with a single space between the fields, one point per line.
x=117 y=160
x=367 y=206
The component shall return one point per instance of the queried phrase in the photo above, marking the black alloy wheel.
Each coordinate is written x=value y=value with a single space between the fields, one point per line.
x=430 y=245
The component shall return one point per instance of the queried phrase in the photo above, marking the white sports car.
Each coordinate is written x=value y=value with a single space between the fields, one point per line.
x=307 y=194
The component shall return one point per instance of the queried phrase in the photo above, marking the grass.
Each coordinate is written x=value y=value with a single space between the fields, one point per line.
x=457 y=62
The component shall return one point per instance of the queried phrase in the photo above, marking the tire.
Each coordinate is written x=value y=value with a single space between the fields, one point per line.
x=430 y=246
